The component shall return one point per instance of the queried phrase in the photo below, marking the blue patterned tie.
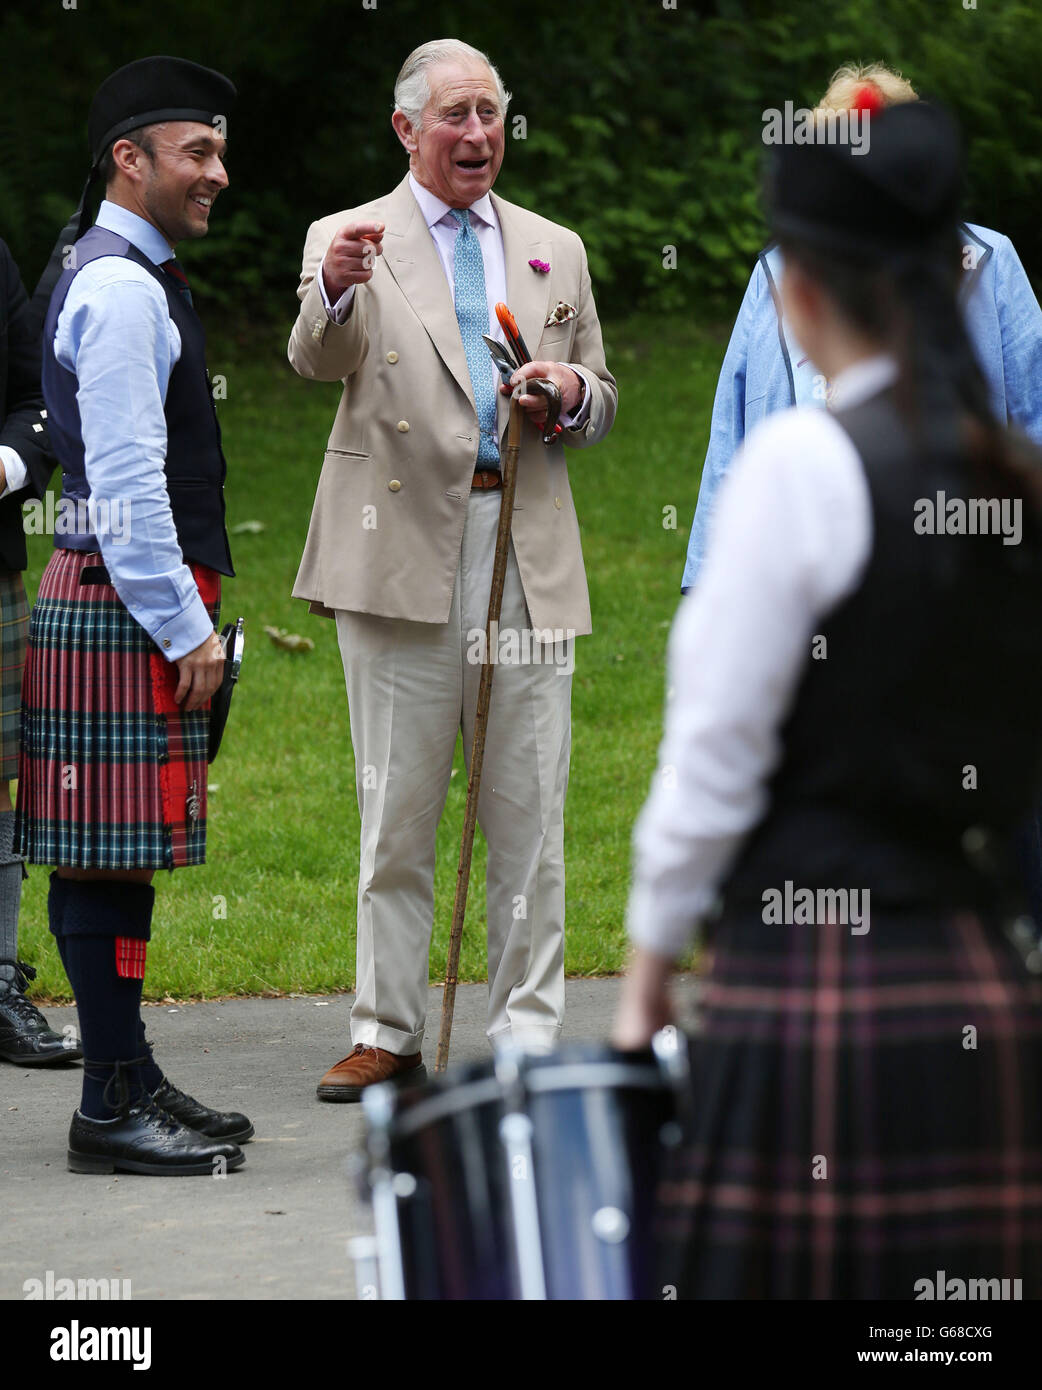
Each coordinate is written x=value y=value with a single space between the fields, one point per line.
x=472 y=313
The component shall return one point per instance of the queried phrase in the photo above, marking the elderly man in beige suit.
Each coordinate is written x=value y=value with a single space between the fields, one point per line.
x=393 y=298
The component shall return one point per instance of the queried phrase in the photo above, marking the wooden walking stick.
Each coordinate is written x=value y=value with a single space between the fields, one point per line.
x=477 y=755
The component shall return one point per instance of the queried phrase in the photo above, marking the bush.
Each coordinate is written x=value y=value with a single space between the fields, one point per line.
x=642 y=124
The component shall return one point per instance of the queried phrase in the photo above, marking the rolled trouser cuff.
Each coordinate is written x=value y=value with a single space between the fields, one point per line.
x=389 y=1039
x=537 y=1038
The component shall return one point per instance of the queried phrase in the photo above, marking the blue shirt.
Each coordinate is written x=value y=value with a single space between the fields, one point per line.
x=116 y=335
x=765 y=370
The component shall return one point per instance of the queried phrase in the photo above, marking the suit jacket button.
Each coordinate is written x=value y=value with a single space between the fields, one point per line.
x=557 y=503
x=394 y=485
x=403 y=427
x=392 y=357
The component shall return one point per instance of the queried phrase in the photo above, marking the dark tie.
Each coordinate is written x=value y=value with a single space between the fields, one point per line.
x=175 y=270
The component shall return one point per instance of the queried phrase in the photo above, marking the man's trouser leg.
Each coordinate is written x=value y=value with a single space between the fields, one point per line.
x=404 y=691
x=410 y=686
x=521 y=804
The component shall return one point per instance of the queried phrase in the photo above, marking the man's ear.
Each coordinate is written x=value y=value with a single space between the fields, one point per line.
x=403 y=128
x=128 y=157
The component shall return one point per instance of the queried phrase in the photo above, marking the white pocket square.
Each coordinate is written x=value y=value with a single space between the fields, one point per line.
x=561 y=314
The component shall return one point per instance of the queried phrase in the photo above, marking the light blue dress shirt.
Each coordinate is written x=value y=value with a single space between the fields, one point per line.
x=116 y=335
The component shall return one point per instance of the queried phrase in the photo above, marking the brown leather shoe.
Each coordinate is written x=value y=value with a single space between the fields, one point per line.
x=364 y=1067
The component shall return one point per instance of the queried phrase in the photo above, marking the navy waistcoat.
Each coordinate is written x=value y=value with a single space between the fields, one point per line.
x=195 y=467
x=914 y=744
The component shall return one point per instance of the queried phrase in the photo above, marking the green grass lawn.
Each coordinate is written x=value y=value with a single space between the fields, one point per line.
x=273 y=909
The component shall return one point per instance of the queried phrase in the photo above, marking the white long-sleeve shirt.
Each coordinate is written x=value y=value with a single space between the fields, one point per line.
x=791 y=540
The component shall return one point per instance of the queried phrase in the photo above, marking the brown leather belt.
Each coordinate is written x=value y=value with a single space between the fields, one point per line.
x=488 y=477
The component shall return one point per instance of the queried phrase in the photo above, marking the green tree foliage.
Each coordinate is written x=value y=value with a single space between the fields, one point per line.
x=641 y=124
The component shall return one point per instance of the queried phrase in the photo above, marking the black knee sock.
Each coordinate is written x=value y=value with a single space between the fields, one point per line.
x=110 y=1010
x=92 y=916
x=149 y=1074
x=56 y=913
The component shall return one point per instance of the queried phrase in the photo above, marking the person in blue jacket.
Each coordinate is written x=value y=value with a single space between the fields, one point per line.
x=765 y=368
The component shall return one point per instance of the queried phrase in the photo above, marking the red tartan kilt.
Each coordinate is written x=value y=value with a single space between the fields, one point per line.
x=111 y=770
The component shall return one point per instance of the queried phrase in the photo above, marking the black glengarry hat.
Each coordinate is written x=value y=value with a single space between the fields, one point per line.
x=901 y=192
x=144 y=92
x=151 y=90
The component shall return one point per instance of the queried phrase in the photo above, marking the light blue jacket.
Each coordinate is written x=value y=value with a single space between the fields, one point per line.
x=765 y=370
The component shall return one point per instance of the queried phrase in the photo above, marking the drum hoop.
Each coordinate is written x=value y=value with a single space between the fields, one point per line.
x=572 y=1076
x=467 y=1096
x=587 y=1075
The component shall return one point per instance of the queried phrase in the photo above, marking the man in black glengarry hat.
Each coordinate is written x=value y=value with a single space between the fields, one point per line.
x=123 y=657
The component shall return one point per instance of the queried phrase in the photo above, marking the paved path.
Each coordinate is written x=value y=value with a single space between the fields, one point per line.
x=278 y=1227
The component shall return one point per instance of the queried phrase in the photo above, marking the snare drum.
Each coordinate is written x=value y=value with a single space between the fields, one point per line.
x=525 y=1178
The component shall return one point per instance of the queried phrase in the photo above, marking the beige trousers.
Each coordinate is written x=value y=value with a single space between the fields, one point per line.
x=411 y=687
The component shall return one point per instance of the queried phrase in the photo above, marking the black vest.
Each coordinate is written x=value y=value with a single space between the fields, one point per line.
x=914 y=747
x=195 y=467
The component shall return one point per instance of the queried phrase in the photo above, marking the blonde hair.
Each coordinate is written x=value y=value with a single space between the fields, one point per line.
x=846 y=81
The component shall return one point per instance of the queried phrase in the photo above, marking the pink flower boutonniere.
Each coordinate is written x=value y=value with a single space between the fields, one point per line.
x=543 y=267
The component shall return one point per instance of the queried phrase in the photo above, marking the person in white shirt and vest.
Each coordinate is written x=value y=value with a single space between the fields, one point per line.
x=766 y=369
x=395 y=295
x=852 y=736
x=123 y=656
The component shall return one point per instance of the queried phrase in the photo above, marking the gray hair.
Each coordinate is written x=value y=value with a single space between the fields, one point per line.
x=412 y=88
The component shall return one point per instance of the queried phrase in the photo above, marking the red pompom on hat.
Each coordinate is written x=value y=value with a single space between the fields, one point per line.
x=868 y=98
x=899 y=192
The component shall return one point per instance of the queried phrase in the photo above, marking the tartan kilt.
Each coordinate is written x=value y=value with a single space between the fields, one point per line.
x=866 y=1113
x=14 y=626
x=111 y=769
